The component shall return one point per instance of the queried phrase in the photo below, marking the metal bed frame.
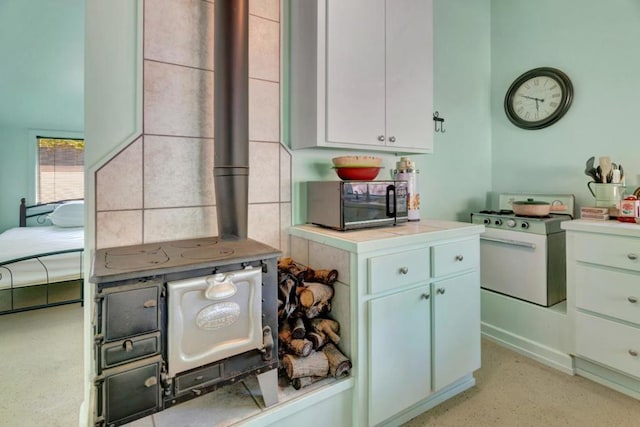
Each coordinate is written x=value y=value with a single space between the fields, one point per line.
x=48 y=294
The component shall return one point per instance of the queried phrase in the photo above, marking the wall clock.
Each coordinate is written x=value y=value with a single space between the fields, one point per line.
x=538 y=98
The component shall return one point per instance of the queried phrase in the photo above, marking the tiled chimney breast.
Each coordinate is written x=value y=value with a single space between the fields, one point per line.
x=160 y=186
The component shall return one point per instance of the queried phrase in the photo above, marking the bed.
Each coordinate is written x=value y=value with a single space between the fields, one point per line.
x=41 y=261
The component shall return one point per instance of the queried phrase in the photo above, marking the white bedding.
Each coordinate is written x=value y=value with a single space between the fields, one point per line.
x=28 y=241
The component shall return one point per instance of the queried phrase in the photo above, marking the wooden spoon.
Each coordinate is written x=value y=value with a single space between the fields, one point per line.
x=605 y=166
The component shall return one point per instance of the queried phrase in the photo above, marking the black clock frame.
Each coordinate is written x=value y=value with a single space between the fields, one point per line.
x=565 y=102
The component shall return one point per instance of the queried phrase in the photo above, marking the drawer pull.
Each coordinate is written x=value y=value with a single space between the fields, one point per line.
x=128 y=345
x=441 y=291
x=150 y=303
x=425 y=296
x=632 y=256
x=633 y=353
x=404 y=270
x=459 y=258
x=632 y=300
x=151 y=381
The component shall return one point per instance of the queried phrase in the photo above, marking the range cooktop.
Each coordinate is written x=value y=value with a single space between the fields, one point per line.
x=124 y=262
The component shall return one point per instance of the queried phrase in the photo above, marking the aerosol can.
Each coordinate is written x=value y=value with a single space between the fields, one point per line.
x=406 y=171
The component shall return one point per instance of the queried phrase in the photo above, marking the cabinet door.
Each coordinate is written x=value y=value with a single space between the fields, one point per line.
x=399 y=353
x=409 y=68
x=355 y=71
x=456 y=328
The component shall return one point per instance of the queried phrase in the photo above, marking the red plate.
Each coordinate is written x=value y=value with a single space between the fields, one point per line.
x=358 y=174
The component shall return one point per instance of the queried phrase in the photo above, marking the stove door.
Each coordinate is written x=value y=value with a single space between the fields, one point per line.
x=515 y=264
x=213 y=317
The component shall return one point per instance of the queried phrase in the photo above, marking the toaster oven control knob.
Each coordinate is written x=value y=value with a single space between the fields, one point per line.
x=511 y=223
x=525 y=225
x=498 y=222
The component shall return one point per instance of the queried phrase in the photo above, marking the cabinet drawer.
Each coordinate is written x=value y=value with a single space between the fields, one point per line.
x=455 y=257
x=399 y=269
x=612 y=293
x=614 y=251
x=610 y=343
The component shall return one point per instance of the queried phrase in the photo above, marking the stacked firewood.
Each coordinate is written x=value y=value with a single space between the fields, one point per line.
x=308 y=338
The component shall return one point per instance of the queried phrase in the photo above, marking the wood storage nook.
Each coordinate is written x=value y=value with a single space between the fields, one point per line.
x=308 y=336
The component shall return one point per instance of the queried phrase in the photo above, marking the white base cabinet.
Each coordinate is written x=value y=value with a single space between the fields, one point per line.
x=414 y=309
x=603 y=301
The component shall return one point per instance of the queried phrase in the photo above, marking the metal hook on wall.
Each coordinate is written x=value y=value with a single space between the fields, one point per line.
x=436 y=120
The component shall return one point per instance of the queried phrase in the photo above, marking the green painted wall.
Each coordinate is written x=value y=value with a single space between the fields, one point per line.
x=42 y=85
x=454 y=179
x=597 y=45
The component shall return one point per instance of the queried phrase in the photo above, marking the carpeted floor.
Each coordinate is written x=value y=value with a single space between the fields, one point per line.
x=514 y=391
x=41 y=373
x=41 y=367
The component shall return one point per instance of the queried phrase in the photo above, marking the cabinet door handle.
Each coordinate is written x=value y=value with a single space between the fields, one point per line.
x=425 y=296
x=440 y=291
x=404 y=270
x=392 y=139
x=632 y=300
x=381 y=138
x=150 y=303
x=459 y=258
x=128 y=346
x=633 y=352
x=632 y=256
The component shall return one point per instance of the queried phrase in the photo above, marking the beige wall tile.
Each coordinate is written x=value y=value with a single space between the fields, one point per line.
x=264 y=111
x=264 y=49
x=285 y=175
x=179 y=32
x=264 y=223
x=177 y=100
x=179 y=223
x=285 y=223
x=266 y=8
x=118 y=228
x=299 y=250
x=264 y=160
x=327 y=257
x=119 y=182
x=178 y=172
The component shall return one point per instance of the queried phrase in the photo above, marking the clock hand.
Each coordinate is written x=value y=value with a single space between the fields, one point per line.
x=531 y=97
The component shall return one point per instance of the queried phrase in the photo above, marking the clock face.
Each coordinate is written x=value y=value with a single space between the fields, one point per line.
x=538 y=98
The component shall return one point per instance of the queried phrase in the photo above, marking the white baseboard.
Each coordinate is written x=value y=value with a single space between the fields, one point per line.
x=534 y=350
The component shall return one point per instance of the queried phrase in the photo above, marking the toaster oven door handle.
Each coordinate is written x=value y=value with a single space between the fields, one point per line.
x=391 y=201
x=509 y=242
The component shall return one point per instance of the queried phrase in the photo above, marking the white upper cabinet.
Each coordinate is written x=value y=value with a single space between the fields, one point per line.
x=362 y=75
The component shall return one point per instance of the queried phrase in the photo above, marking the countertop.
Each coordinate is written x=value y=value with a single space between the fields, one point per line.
x=370 y=239
x=608 y=227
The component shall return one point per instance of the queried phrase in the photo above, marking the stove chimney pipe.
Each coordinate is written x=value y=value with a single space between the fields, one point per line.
x=231 y=117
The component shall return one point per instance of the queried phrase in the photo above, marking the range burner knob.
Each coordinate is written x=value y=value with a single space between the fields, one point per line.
x=487 y=221
x=511 y=223
x=525 y=225
x=498 y=222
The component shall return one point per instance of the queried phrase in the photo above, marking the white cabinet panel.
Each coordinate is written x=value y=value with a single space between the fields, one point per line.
x=613 y=293
x=399 y=352
x=409 y=79
x=455 y=257
x=610 y=343
x=355 y=71
x=399 y=269
x=456 y=328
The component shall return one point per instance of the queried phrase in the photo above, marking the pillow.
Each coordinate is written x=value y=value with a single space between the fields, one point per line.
x=69 y=214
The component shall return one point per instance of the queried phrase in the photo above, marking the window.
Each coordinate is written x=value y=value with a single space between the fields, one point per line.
x=60 y=169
